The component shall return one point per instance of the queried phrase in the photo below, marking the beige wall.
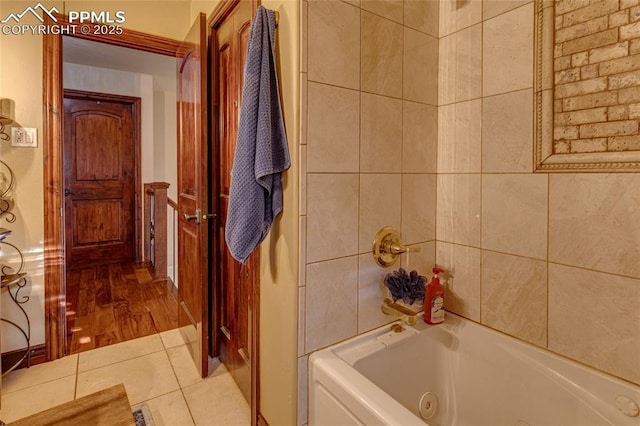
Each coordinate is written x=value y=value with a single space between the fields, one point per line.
x=279 y=252
x=21 y=81
x=204 y=6
x=367 y=154
x=167 y=18
x=549 y=258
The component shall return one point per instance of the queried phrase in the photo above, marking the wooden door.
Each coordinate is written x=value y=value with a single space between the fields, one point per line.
x=193 y=254
x=101 y=162
x=238 y=283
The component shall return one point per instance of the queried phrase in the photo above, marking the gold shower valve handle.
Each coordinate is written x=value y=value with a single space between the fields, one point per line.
x=387 y=247
x=399 y=249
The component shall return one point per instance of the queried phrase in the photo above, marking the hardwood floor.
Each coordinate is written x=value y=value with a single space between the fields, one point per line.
x=108 y=304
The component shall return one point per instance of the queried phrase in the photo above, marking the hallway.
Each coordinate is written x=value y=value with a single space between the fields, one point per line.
x=108 y=304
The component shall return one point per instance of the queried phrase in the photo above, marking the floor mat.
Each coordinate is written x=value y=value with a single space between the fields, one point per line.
x=142 y=415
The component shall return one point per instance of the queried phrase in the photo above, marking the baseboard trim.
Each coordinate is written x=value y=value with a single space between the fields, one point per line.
x=38 y=356
x=172 y=288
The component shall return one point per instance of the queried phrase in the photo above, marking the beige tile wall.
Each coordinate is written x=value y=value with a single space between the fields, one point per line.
x=551 y=259
x=370 y=121
x=394 y=91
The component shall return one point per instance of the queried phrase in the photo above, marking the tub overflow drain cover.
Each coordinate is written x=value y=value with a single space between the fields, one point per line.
x=627 y=406
x=428 y=405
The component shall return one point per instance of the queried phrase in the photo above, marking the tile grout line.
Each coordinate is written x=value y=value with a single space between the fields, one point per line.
x=402 y=171
x=437 y=143
x=483 y=19
x=482 y=76
x=548 y=264
x=359 y=90
x=40 y=383
x=180 y=388
x=302 y=267
x=361 y=19
x=75 y=388
x=123 y=360
x=482 y=97
x=539 y=260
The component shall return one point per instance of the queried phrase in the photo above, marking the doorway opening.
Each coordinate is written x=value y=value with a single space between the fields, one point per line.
x=119 y=134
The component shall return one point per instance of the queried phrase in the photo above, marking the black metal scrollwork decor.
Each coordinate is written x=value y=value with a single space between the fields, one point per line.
x=13 y=278
x=7 y=183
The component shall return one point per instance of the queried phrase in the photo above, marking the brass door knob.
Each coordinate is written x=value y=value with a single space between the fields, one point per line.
x=195 y=216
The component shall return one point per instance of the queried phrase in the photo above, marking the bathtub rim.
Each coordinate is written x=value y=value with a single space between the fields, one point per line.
x=341 y=358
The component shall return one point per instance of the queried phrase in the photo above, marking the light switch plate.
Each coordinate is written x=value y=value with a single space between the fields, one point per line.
x=24 y=137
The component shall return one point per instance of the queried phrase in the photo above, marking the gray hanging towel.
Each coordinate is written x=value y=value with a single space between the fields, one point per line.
x=262 y=153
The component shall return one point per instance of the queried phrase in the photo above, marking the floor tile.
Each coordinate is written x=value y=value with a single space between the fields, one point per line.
x=169 y=410
x=38 y=374
x=185 y=369
x=216 y=368
x=217 y=401
x=119 y=352
x=183 y=366
x=172 y=338
x=149 y=373
x=144 y=377
x=25 y=402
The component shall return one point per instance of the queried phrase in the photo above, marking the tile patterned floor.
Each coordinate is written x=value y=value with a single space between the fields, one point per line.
x=156 y=370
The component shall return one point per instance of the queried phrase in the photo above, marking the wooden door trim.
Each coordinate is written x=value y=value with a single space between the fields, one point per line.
x=129 y=38
x=217 y=17
x=54 y=260
x=136 y=112
x=54 y=256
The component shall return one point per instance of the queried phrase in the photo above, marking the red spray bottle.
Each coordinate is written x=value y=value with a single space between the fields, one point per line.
x=434 y=300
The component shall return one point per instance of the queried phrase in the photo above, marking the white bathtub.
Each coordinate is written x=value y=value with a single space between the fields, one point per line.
x=474 y=376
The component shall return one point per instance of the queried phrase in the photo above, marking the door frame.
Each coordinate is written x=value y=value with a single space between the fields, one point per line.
x=53 y=176
x=136 y=111
x=217 y=17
